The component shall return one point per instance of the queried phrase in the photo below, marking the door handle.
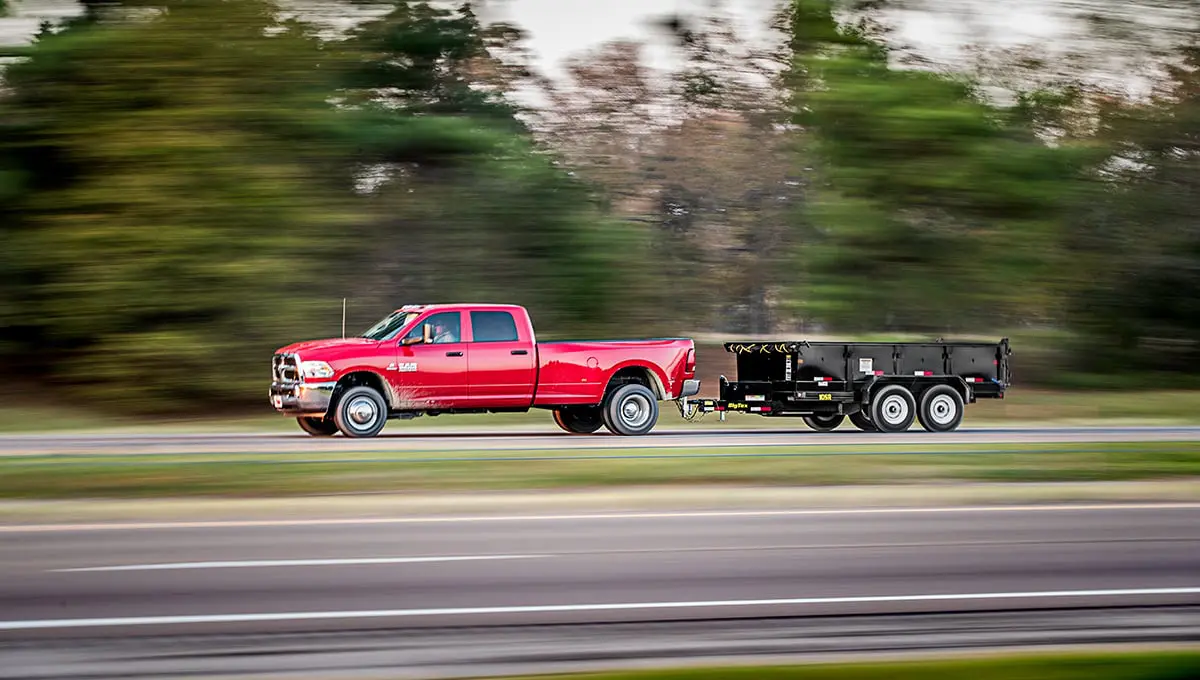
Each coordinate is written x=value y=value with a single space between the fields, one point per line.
x=519 y=352
x=454 y=354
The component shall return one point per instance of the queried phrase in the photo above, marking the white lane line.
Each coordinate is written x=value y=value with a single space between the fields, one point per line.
x=538 y=609
x=714 y=514
x=252 y=564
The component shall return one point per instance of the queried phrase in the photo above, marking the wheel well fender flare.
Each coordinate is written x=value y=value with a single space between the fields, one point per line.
x=365 y=377
x=636 y=371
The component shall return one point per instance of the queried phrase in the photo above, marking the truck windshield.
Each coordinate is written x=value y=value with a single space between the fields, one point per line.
x=389 y=325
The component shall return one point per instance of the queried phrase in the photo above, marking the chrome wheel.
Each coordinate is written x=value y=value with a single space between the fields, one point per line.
x=894 y=410
x=635 y=411
x=361 y=412
x=942 y=410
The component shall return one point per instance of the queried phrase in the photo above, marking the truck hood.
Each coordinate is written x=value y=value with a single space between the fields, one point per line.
x=318 y=347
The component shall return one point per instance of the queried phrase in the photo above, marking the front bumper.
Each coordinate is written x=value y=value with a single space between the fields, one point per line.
x=301 y=399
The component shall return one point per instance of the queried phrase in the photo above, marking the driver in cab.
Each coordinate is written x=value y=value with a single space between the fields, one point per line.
x=444 y=333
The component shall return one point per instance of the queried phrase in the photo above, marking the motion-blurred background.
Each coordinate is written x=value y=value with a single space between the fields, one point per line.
x=187 y=184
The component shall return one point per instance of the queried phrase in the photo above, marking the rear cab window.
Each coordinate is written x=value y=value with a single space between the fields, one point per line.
x=493 y=327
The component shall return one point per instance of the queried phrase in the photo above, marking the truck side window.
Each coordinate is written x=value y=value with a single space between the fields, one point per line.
x=493 y=327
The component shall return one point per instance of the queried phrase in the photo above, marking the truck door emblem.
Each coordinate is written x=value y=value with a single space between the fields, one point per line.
x=403 y=368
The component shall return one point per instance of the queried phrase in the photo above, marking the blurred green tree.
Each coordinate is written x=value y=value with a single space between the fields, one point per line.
x=161 y=216
x=510 y=225
x=937 y=212
x=1137 y=233
x=187 y=186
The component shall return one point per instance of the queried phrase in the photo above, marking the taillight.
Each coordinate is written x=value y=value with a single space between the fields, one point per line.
x=690 y=364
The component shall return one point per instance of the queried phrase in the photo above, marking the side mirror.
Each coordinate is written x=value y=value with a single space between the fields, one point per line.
x=425 y=339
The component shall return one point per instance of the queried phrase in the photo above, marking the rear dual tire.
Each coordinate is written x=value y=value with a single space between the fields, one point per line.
x=580 y=419
x=630 y=410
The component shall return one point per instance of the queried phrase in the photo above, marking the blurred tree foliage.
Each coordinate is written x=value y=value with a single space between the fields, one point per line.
x=178 y=194
x=1139 y=306
x=938 y=211
x=159 y=205
x=701 y=161
x=187 y=184
x=508 y=224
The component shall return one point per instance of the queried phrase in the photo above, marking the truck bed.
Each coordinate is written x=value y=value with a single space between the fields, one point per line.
x=577 y=371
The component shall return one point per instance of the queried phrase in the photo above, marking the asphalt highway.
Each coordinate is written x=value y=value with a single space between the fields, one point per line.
x=433 y=440
x=412 y=590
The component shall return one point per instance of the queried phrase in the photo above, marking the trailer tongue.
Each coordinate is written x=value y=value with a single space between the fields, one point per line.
x=880 y=386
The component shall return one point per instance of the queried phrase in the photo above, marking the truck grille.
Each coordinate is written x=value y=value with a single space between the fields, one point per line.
x=285 y=368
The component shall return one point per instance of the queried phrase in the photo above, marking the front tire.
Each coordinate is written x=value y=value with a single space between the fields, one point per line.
x=582 y=420
x=941 y=409
x=318 y=427
x=630 y=410
x=824 y=423
x=361 y=413
x=893 y=409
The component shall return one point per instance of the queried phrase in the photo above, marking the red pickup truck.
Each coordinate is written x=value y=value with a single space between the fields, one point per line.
x=435 y=359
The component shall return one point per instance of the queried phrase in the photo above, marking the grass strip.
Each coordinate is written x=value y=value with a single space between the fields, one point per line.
x=1174 y=665
x=226 y=475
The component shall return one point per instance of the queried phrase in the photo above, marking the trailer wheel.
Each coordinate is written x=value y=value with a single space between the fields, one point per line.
x=318 y=427
x=630 y=410
x=893 y=409
x=941 y=409
x=824 y=423
x=582 y=420
x=360 y=413
x=862 y=422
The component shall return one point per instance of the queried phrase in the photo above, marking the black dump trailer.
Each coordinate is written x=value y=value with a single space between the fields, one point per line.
x=880 y=387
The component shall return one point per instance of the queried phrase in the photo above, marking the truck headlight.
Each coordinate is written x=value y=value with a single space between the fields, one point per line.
x=316 y=369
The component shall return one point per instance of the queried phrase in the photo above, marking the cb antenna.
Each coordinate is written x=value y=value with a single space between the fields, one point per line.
x=343 y=318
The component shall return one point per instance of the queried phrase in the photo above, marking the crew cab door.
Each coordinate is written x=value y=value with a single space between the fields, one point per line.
x=502 y=362
x=431 y=375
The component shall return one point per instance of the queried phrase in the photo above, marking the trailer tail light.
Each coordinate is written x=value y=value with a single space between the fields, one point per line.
x=923 y=373
x=690 y=363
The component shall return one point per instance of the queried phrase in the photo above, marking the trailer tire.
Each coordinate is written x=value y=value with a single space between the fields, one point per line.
x=318 y=427
x=941 y=409
x=630 y=410
x=893 y=409
x=361 y=413
x=580 y=420
x=824 y=423
x=862 y=422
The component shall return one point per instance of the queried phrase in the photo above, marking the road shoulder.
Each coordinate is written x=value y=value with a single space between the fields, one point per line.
x=638 y=499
